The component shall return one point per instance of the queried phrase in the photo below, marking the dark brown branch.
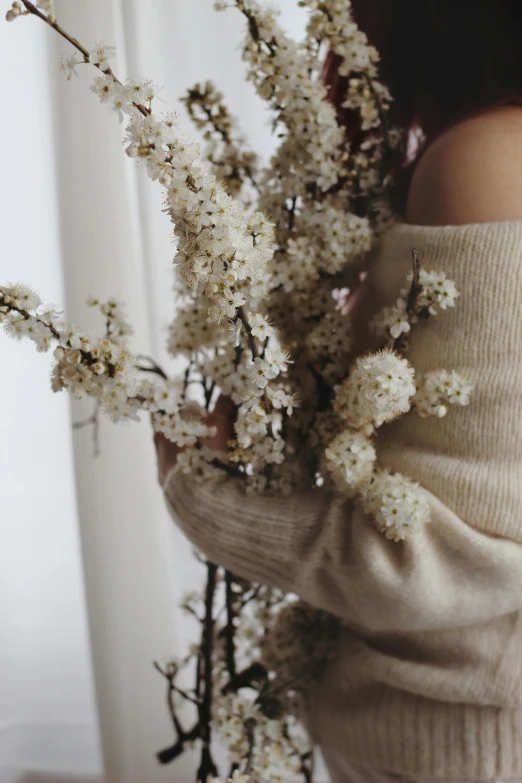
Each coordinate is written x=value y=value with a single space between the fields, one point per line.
x=207 y=766
x=416 y=287
x=307 y=765
x=230 y=651
x=255 y=673
x=154 y=366
x=250 y=725
x=169 y=676
x=413 y=295
x=241 y=314
x=169 y=754
x=182 y=737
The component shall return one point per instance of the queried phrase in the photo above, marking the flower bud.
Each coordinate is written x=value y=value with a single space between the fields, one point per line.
x=74 y=357
x=98 y=368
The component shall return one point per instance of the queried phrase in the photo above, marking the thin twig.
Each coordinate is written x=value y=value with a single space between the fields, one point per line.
x=250 y=725
x=169 y=676
x=93 y=421
x=154 y=366
x=27 y=316
x=31 y=9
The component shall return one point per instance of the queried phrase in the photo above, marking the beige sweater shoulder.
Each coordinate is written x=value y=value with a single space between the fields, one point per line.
x=428 y=679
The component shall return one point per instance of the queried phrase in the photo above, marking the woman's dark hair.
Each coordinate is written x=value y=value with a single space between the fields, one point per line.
x=443 y=60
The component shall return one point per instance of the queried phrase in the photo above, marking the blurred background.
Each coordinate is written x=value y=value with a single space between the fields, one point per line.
x=91 y=567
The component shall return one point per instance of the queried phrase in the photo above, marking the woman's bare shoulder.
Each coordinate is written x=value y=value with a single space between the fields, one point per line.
x=472 y=173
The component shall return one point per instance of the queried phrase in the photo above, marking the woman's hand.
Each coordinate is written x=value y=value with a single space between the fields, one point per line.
x=221 y=417
x=364 y=304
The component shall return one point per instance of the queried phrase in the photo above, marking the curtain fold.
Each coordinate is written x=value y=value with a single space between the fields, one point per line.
x=48 y=722
x=129 y=555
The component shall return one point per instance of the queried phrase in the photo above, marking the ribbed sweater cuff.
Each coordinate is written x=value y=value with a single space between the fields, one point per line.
x=404 y=734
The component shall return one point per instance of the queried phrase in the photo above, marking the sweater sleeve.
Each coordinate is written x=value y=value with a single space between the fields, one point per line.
x=465 y=566
x=324 y=549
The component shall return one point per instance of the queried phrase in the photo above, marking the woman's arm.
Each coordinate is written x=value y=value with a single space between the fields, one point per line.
x=328 y=552
x=465 y=566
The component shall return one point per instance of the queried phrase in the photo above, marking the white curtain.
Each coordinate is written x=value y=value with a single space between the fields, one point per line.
x=79 y=221
x=47 y=715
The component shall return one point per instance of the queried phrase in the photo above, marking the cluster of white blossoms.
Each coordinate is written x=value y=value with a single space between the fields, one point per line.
x=350 y=461
x=236 y=777
x=398 y=505
x=46 y=6
x=301 y=642
x=23 y=314
x=282 y=72
x=260 y=318
x=118 y=329
x=436 y=293
x=358 y=62
x=257 y=317
x=250 y=698
x=439 y=389
x=101 y=368
x=378 y=389
x=241 y=725
x=232 y=163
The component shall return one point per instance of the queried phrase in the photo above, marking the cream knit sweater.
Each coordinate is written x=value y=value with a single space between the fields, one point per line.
x=428 y=680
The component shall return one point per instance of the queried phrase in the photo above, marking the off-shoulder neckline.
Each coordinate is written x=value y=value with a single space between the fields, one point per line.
x=403 y=224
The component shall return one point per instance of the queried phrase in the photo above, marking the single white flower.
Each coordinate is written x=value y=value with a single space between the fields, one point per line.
x=260 y=325
x=47 y=6
x=393 y=320
x=278 y=358
x=272 y=450
x=100 y=54
x=229 y=301
x=104 y=88
x=261 y=371
x=68 y=65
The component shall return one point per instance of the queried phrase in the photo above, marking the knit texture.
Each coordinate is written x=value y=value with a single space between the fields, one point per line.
x=428 y=677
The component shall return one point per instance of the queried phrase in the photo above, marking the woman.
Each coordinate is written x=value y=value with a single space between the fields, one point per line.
x=427 y=682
